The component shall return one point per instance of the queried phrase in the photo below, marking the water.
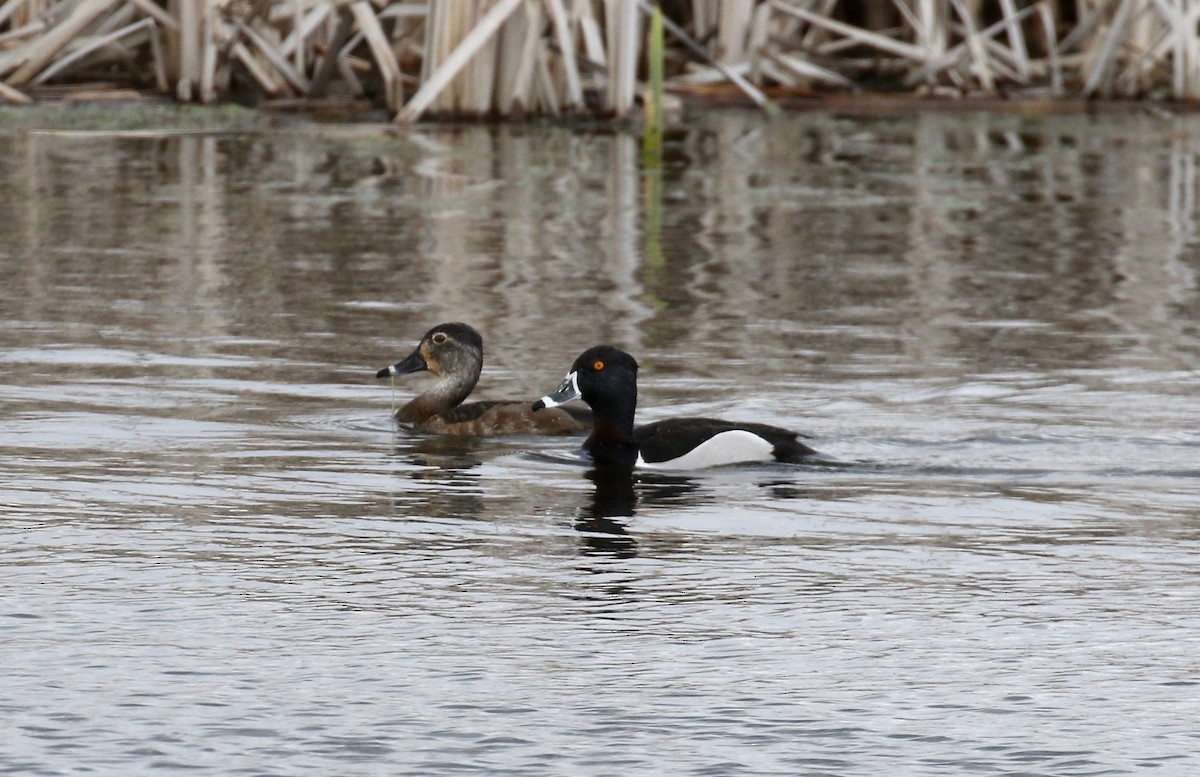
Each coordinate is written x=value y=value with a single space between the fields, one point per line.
x=221 y=557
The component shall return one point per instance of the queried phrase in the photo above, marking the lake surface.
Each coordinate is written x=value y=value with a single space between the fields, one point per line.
x=221 y=556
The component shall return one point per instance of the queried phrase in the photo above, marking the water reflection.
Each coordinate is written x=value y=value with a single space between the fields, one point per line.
x=489 y=221
x=444 y=473
x=618 y=493
x=601 y=521
x=453 y=453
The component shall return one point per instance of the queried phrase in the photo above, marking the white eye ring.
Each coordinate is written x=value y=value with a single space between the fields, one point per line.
x=439 y=338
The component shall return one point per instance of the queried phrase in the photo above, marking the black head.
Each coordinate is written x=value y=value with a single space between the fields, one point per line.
x=605 y=377
x=448 y=349
x=605 y=373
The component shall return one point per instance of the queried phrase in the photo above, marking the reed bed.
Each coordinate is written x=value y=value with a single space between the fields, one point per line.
x=513 y=58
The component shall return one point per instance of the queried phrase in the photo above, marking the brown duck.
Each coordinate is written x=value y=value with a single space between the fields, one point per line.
x=454 y=353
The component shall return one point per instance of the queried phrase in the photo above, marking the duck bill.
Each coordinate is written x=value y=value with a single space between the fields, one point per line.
x=566 y=391
x=415 y=362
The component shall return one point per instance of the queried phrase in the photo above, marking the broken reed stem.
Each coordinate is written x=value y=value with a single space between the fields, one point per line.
x=45 y=48
x=14 y=96
x=8 y=8
x=95 y=45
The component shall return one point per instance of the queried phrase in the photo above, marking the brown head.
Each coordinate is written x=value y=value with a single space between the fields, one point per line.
x=454 y=353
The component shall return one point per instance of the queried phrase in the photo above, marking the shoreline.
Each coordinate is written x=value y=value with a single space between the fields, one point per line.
x=97 y=107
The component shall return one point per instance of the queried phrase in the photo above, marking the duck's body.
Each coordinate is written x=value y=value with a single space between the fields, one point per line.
x=695 y=443
x=606 y=379
x=454 y=353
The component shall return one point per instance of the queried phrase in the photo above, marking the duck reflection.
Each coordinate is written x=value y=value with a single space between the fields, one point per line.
x=457 y=454
x=449 y=479
x=617 y=494
x=613 y=498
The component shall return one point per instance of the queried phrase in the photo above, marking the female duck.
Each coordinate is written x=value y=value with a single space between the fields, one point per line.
x=454 y=353
x=606 y=378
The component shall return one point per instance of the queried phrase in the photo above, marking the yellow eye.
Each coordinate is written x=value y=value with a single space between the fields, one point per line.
x=597 y=365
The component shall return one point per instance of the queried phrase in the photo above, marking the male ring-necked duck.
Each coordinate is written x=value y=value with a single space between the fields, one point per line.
x=454 y=353
x=606 y=378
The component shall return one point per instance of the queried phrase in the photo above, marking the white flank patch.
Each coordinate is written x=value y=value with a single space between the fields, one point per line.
x=733 y=447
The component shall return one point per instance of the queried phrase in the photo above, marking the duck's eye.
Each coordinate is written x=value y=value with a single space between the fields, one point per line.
x=598 y=365
x=439 y=338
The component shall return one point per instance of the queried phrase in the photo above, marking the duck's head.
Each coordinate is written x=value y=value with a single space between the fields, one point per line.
x=454 y=350
x=603 y=376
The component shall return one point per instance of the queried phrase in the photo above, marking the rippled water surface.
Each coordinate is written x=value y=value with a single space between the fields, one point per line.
x=220 y=555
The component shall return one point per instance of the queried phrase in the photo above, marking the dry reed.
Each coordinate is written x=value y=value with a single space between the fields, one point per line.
x=466 y=58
